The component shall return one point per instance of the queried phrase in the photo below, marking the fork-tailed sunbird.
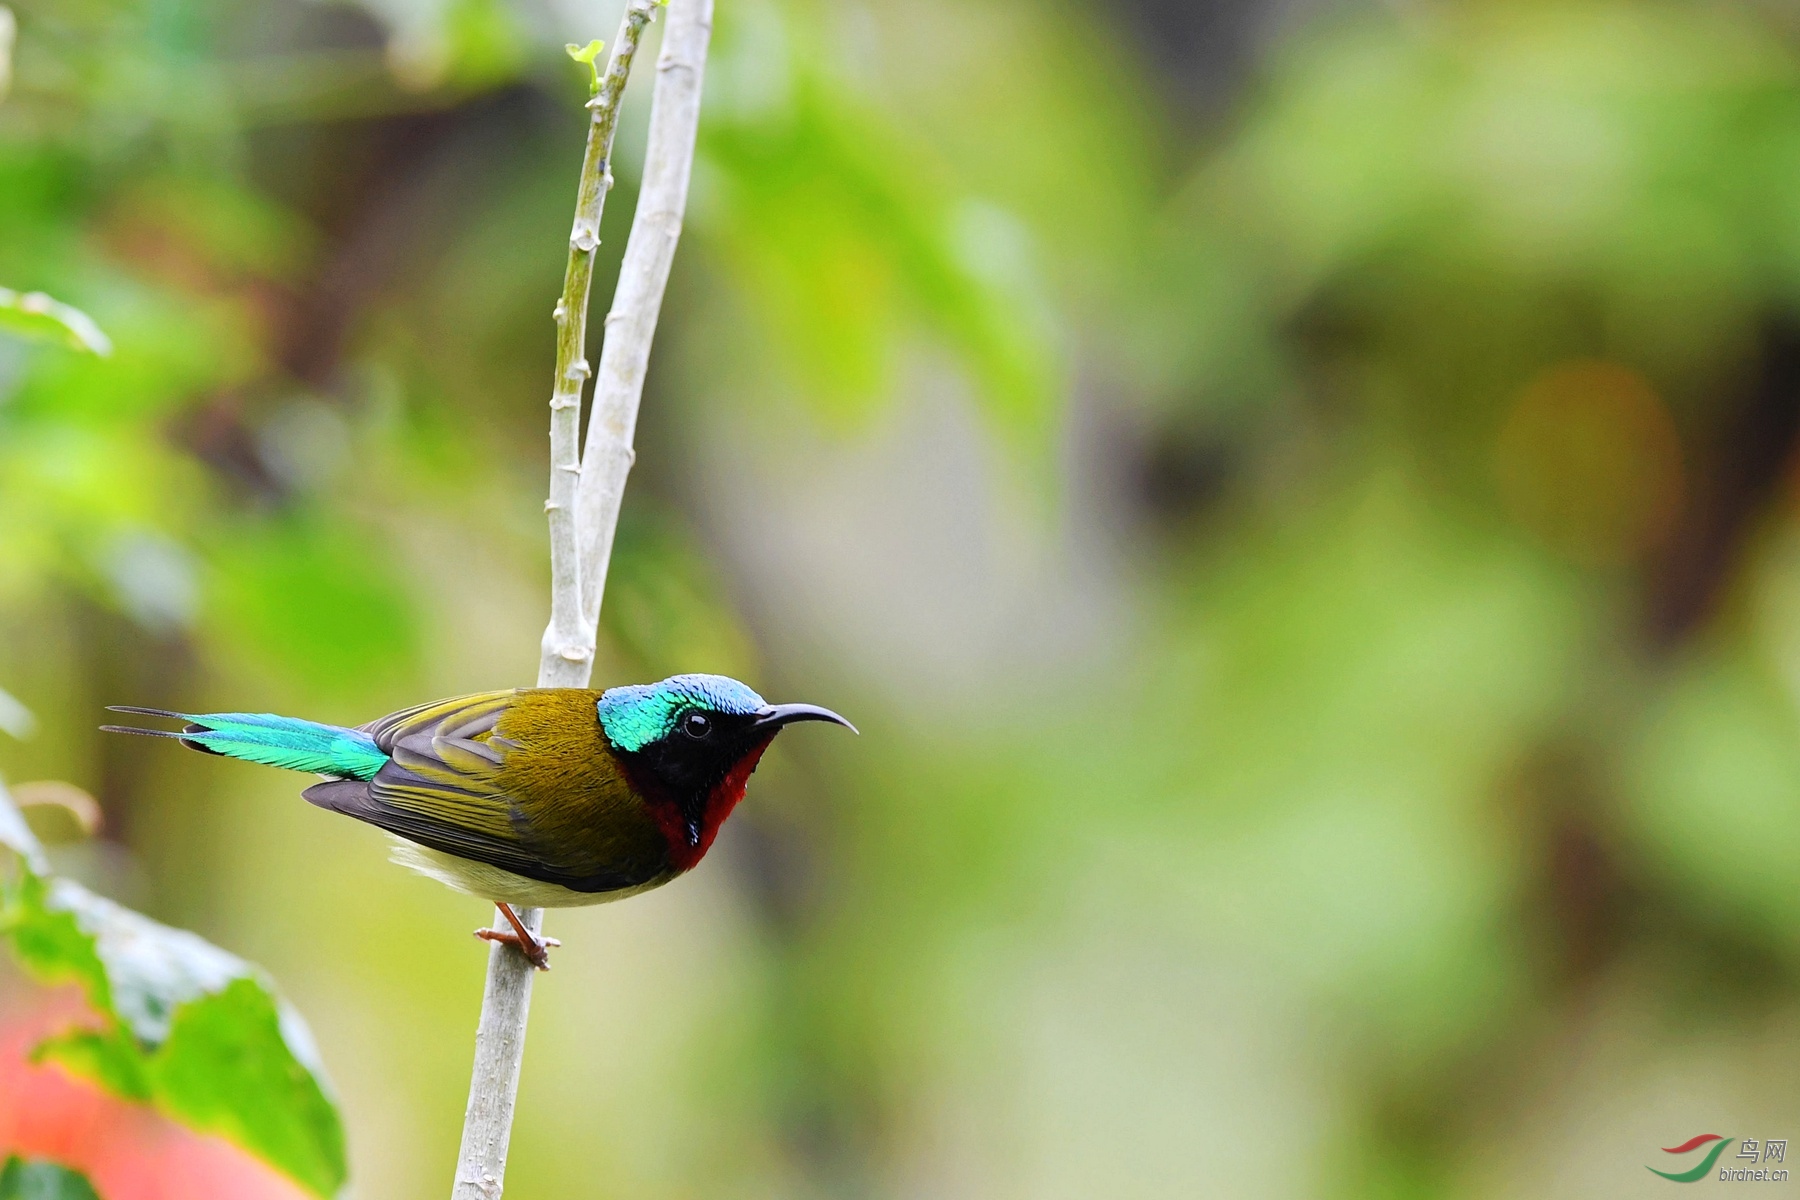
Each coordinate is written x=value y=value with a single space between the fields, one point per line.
x=536 y=797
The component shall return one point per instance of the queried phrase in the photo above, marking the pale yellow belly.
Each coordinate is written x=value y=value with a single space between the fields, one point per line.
x=500 y=886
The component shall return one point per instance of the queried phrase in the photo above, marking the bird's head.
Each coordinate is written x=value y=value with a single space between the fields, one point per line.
x=691 y=742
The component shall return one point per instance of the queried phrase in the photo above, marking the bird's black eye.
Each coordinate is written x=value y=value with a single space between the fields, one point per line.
x=696 y=725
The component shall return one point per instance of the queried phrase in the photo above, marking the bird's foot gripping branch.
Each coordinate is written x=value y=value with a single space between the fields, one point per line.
x=174 y=1023
x=535 y=947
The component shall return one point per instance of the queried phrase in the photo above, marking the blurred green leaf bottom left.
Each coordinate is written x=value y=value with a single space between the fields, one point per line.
x=22 y=1179
x=183 y=1026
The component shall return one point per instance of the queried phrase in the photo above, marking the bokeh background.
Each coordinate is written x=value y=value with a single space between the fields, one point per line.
x=1301 y=499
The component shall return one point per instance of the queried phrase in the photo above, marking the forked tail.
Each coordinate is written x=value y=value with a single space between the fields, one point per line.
x=286 y=742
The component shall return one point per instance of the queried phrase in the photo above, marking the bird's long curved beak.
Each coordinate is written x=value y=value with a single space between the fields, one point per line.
x=777 y=715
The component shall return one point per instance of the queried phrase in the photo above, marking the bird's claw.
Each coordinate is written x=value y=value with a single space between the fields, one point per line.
x=536 y=951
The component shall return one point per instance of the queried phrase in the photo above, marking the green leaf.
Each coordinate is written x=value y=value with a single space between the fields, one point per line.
x=586 y=54
x=240 y=1063
x=589 y=54
x=149 y=970
x=48 y=941
x=198 y=1033
x=35 y=1179
x=108 y=1058
x=35 y=315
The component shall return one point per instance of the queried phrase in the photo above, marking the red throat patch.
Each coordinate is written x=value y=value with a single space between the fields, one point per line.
x=723 y=798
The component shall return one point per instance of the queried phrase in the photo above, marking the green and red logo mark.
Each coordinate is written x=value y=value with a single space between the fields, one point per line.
x=1705 y=1165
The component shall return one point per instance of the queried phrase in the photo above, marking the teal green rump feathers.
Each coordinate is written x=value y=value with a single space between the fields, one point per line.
x=540 y=796
x=273 y=741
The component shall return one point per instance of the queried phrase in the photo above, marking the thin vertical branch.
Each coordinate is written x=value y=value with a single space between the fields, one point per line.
x=631 y=325
x=567 y=650
x=567 y=654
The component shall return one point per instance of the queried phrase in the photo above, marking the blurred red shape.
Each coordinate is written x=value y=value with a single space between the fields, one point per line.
x=128 y=1151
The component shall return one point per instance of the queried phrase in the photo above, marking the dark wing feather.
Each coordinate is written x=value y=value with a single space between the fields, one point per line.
x=429 y=824
x=443 y=789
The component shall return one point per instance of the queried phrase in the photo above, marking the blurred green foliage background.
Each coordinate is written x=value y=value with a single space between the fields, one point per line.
x=1300 y=500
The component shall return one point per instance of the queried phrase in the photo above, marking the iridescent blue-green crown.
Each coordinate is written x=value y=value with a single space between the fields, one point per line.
x=633 y=717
